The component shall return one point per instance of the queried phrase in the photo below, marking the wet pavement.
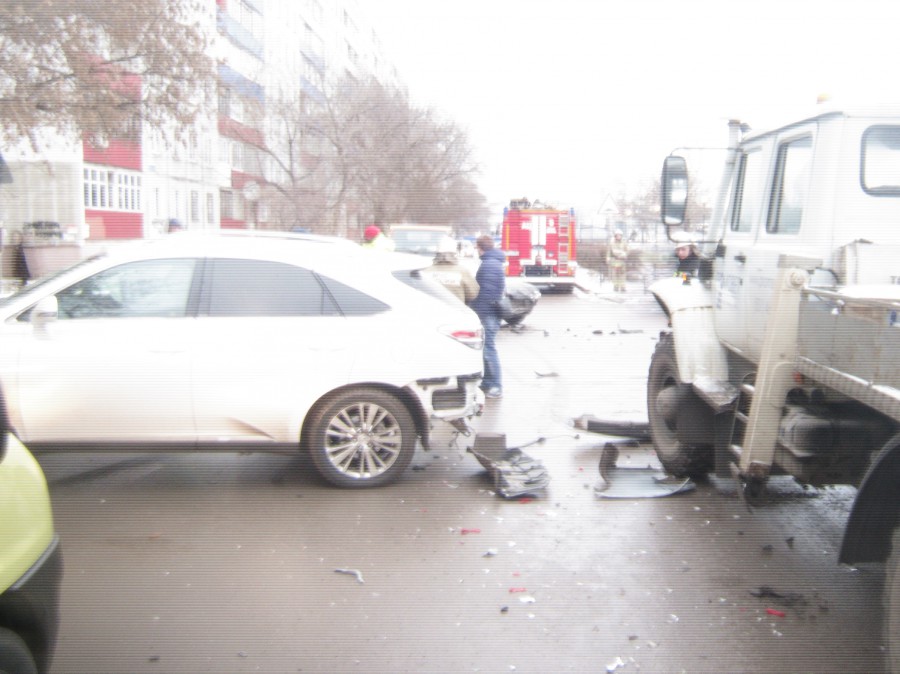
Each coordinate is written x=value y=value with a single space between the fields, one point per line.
x=248 y=563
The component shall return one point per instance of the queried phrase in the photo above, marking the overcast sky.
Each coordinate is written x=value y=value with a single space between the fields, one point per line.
x=570 y=100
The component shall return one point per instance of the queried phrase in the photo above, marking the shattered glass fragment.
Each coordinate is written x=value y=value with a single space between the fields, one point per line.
x=614 y=665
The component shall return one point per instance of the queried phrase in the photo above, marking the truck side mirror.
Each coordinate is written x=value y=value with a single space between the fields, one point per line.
x=674 y=190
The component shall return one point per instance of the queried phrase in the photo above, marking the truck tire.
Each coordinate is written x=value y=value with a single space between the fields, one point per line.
x=891 y=600
x=665 y=395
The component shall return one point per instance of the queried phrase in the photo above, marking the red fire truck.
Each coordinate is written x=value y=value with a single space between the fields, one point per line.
x=539 y=244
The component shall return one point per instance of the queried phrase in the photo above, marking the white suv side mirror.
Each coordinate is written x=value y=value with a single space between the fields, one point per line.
x=45 y=311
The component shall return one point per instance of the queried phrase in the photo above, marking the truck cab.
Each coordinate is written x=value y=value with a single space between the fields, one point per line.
x=783 y=357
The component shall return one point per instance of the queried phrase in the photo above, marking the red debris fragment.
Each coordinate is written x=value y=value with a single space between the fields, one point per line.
x=775 y=612
x=525 y=500
x=513 y=590
x=469 y=531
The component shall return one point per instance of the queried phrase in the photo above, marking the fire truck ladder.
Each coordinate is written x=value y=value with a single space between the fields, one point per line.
x=562 y=243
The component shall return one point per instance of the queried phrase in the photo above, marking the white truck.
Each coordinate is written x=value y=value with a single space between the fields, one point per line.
x=783 y=353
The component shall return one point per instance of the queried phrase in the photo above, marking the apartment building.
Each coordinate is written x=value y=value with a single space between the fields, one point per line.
x=103 y=191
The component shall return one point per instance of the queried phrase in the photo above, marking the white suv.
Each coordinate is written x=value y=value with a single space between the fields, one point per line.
x=236 y=343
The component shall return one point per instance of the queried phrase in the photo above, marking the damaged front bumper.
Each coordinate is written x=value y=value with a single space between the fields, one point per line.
x=451 y=399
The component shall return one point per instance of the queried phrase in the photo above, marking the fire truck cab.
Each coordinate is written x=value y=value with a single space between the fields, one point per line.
x=539 y=244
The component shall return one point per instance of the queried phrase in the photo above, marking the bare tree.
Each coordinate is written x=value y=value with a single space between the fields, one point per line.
x=365 y=156
x=394 y=163
x=298 y=190
x=81 y=66
x=643 y=214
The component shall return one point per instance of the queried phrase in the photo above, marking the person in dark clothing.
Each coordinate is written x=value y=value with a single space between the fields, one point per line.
x=688 y=261
x=491 y=286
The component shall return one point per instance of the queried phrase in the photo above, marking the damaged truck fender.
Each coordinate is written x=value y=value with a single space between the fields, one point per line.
x=689 y=307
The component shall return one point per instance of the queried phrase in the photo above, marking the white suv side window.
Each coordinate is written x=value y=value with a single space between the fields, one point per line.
x=263 y=288
x=149 y=288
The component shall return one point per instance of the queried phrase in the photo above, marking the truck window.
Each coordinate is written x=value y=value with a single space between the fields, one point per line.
x=881 y=161
x=791 y=186
x=749 y=192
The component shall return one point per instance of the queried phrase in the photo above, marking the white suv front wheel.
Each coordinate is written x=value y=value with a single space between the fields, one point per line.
x=361 y=438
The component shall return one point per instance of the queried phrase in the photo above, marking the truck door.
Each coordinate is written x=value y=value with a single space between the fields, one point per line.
x=780 y=231
x=749 y=200
x=769 y=199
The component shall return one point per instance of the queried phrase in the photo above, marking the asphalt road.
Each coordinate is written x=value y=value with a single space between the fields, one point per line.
x=230 y=563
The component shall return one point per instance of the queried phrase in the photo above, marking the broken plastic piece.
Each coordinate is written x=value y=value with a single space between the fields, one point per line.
x=463 y=532
x=775 y=612
x=514 y=472
x=626 y=482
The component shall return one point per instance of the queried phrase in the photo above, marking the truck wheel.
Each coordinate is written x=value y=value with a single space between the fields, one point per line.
x=891 y=602
x=665 y=395
x=361 y=438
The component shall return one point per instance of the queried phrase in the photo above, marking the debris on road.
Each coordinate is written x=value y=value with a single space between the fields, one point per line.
x=625 y=429
x=614 y=665
x=631 y=482
x=514 y=472
x=352 y=572
x=783 y=598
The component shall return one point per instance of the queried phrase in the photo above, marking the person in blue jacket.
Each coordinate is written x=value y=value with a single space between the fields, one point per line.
x=491 y=287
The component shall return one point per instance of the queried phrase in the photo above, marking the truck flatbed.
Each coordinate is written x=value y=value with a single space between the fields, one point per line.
x=849 y=340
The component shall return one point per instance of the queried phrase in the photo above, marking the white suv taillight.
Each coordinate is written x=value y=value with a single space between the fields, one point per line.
x=474 y=339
